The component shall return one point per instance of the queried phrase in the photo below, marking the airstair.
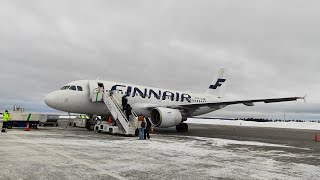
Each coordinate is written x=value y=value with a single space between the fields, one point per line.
x=120 y=125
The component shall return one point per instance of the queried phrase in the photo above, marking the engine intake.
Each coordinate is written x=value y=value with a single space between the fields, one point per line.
x=165 y=117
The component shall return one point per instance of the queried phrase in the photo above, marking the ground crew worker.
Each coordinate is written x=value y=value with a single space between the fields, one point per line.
x=5 y=119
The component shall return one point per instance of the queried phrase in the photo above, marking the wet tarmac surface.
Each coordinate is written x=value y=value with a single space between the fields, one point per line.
x=205 y=152
x=291 y=137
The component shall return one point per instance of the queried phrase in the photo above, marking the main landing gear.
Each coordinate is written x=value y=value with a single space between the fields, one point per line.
x=183 y=127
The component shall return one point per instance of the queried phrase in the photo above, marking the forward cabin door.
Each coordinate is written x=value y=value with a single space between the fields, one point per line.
x=94 y=90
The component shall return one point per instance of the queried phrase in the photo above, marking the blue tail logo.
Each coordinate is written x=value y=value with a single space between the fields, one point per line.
x=218 y=84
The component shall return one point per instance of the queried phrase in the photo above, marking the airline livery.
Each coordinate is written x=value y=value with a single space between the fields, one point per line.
x=166 y=108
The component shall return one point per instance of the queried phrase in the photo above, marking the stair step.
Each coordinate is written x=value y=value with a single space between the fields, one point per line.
x=127 y=127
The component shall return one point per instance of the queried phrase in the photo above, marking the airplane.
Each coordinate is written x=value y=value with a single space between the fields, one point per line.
x=165 y=108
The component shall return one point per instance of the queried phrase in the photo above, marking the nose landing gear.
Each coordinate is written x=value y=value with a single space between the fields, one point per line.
x=92 y=122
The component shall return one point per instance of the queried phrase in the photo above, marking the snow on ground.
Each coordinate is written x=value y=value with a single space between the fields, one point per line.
x=56 y=155
x=291 y=125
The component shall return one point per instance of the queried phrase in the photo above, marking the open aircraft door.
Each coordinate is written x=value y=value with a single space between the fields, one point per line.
x=94 y=90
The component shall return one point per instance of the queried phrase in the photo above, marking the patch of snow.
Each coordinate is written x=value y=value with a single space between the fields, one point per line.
x=162 y=157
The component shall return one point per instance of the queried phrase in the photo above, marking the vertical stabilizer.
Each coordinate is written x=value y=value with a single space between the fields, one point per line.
x=218 y=85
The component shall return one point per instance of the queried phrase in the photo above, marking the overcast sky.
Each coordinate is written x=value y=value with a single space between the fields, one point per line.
x=269 y=48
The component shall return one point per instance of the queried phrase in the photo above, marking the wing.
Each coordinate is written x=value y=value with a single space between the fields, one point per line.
x=194 y=107
x=245 y=102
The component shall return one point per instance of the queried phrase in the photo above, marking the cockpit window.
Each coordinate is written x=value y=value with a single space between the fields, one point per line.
x=73 y=88
x=65 y=87
x=79 y=88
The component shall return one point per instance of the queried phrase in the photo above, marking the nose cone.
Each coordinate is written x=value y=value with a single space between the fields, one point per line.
x=51 y=99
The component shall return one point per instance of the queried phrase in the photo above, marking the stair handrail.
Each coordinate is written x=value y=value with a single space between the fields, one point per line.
x=117 y=106
x=122 y=113
x=116 y=103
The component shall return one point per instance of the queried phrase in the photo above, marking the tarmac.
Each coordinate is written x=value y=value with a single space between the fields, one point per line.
x=205 y=152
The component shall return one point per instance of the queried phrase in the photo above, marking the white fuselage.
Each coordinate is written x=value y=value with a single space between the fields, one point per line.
x=139 y=97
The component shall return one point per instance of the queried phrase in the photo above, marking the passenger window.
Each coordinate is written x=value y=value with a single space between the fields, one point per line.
x=65 y=87
x=79 y=88
x=73 y=88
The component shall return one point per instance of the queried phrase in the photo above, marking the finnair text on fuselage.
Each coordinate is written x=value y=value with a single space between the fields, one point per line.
x=131 y=91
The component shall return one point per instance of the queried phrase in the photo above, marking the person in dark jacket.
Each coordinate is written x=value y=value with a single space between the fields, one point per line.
x=147 y=129
x=128 y=110
x=124 y=102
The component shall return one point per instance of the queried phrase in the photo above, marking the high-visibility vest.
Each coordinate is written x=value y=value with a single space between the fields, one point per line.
x=5 y=117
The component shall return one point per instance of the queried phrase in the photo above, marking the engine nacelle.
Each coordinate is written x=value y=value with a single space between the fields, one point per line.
x=165 y=117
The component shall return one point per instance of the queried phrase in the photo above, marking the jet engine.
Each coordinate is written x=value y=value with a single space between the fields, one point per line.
x=165 y=117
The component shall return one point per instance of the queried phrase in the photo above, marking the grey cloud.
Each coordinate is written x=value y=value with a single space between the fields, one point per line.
x=270 y=48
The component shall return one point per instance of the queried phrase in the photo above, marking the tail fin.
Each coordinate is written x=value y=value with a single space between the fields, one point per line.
x=218 y=86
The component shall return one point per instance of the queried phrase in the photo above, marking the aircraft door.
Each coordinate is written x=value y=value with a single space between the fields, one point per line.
x=94 y=90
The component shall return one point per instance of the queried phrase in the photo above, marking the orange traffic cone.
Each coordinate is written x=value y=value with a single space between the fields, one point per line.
x=27 y=127
x=316 y=137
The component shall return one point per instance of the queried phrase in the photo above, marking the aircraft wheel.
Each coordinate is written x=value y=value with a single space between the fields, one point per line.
x=90 y=123
x=182 y=127
x=185 y=127
x=178 y=128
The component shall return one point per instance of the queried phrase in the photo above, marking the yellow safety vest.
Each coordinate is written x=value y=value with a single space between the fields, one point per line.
x=5 y=117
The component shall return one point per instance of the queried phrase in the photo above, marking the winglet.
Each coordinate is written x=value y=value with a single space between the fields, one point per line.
x=304 y=98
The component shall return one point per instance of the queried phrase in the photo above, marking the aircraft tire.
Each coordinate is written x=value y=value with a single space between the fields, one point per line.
x=178 y=128
x=182 y=127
